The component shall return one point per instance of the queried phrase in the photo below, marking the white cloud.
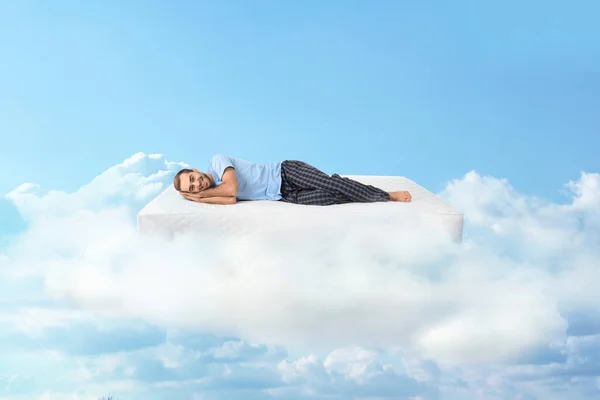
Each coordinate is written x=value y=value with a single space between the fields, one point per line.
x=134 y=181
x=352 y=371
x=451 y=312
x=587 y=192
x=351 y=363
x=33 y=321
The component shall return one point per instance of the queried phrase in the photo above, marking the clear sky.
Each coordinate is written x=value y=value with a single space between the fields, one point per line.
x=426 y=90
x=492 y=106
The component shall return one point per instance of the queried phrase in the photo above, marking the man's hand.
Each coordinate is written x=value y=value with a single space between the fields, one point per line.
x=209 y=200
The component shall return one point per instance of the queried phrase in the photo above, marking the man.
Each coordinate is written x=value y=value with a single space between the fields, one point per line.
x=229 y=179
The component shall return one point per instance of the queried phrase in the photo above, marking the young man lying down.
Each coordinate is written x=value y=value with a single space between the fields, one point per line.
x=229 y=179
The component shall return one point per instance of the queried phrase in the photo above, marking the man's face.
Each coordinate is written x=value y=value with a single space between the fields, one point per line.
x=194 y=182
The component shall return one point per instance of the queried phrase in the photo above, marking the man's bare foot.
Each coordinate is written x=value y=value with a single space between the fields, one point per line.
x=403 y=196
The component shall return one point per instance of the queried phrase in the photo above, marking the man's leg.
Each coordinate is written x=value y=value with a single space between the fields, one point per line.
x=313 y=197
x=299 y=176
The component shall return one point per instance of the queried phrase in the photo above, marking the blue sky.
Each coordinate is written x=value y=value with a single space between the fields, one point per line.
x=429 y=91
x=493 y=107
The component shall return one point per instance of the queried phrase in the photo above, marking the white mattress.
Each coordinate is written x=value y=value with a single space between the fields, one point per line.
x=169 y=213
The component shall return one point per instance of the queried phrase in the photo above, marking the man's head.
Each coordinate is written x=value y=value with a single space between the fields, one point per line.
x=191 y=180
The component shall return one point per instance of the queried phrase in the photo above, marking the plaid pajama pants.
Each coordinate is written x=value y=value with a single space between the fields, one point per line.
x=304 y=184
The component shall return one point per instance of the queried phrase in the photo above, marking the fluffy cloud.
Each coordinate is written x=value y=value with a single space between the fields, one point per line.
x=507 y=314
x=131 y=183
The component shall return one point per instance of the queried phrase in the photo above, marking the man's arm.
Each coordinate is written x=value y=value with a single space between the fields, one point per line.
x=210 y=200
x=229 y=187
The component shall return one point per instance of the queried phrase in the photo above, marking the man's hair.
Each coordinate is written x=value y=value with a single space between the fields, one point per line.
x=177 y=179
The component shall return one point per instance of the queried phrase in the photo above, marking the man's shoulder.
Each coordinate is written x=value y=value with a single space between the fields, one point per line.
x=221 y=158
x=217 y=156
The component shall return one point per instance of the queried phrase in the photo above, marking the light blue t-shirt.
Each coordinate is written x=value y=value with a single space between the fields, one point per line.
x=255 y=181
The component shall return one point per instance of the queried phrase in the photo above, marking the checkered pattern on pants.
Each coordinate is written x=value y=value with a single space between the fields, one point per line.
x=304 y=184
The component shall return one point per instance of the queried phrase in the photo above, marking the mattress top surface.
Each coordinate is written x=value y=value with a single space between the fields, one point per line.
x=170 y=202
